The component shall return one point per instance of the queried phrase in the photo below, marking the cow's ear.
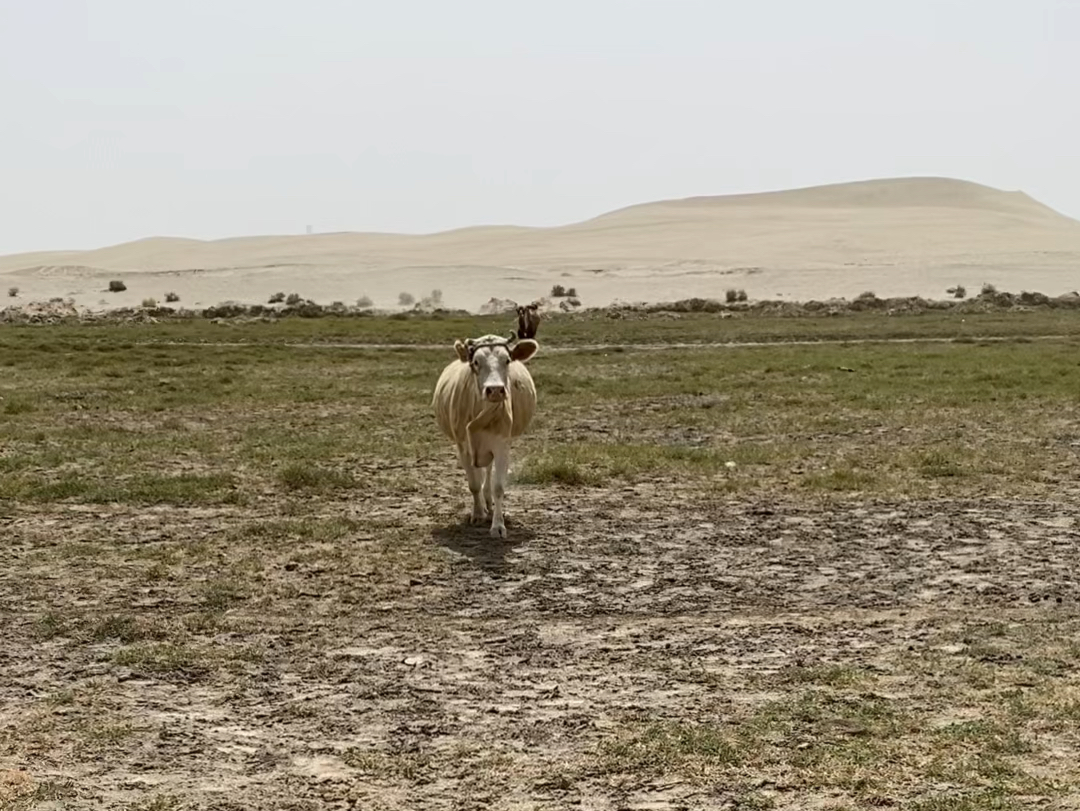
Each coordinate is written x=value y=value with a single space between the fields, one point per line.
x=462 y=351
x=524 y=349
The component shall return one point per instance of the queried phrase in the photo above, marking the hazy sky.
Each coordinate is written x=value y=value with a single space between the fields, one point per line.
x=121 y=119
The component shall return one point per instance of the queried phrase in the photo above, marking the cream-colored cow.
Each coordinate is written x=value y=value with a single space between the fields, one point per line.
x=482 y=401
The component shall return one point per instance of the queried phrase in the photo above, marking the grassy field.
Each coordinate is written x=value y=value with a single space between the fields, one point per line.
x=560 y=330
x=833 y=575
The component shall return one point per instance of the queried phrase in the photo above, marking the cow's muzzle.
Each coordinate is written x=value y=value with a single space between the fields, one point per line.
x=494 y=394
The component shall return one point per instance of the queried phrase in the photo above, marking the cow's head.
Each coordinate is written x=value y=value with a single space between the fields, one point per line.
x=489 y=358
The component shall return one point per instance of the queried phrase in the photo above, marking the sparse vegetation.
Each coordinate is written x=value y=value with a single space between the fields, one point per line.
x=769 y=316
x=18 y=405
x=121 y=627
x=549 y=471
x=406 y=299
x=163 y=659
x=558 y=291
x=841 y=479
x=117 y=286
x=149 y=303
x=309 y=477
x=958 y=292
x=276 y=298
x=731 y=295
x=1034 y=299
x=293 y=300
x=365 y=303
x=50 y=626
x=936 y=464
x=13 y=292
x=432 y=301
x=171 y=297
x=211 y=528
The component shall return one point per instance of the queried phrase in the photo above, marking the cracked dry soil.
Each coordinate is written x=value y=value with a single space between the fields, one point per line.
x=227 y=658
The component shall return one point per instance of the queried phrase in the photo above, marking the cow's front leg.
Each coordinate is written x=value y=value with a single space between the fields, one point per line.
x=500 y=469
x=475 y=476
x=487 y=488
x=476 y=482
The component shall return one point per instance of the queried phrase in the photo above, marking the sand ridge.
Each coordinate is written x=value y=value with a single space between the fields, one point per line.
x=904 y=236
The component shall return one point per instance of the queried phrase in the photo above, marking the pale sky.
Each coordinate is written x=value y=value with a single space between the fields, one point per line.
x=122 y=119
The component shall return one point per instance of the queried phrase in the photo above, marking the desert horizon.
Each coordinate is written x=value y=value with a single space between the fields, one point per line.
x=892 y=236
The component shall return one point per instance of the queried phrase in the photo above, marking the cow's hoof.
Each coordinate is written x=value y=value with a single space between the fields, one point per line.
x=498 y=532
x=479 y=519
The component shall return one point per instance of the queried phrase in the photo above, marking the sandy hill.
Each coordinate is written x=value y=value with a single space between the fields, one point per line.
x=913 y=192
x=896 y=237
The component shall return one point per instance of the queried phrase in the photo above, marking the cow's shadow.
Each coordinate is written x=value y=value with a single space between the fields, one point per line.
x=477 y=545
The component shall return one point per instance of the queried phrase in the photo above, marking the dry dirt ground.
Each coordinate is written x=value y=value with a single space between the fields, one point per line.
x=679 y=635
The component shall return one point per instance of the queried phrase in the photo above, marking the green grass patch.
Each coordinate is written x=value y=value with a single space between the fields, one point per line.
x=939 y=464
x=144 y=488
x=551 y=470
x=14 y=407
x=825 y=675
x=123 y=628
x=592 y=464
x=669 y=747
x=178 y=661
x=841 y=480
x=555 y=329
x=50 y=626
x=298 y=476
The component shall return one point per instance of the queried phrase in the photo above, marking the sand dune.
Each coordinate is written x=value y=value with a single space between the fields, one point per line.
x=916 y=192
x=910 y=236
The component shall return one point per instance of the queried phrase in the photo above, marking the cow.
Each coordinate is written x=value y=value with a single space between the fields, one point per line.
x=528 y=320
x=482 y=401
